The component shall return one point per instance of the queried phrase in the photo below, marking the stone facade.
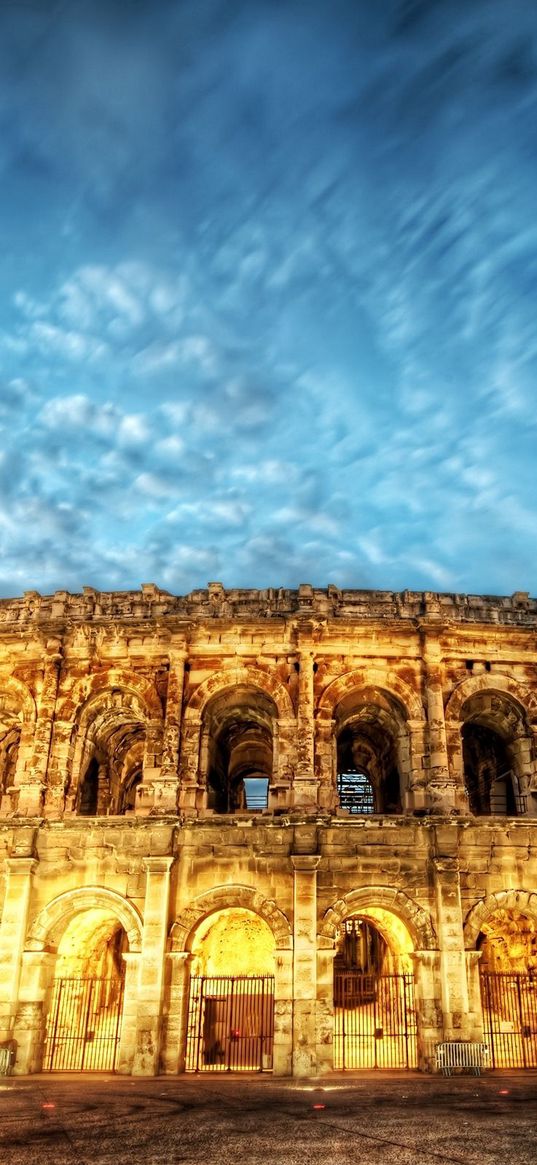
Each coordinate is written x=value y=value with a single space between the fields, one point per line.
x=130 y=726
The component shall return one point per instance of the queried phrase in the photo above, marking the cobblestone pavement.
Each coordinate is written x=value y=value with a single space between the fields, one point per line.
x=411 y=1120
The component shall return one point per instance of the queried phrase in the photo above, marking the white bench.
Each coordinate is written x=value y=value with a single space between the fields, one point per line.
x=461 y=1054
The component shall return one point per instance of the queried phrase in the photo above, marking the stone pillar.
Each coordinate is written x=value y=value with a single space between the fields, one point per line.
x=429 y=1016
x=443 y=793
x=305 y=964
x=325 y=767
x=192 y=782
x=474 y=992
x=19 y=871
x=32 y=788
x=158 y=792
x=128 y=1034
x=35 y=997
x=305 y=783
x=458 y=1022
x=325 y=1009
x=176 y=1011
x=151 y=976
x=282 y=1058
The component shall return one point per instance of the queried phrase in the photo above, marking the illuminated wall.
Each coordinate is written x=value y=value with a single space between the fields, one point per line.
x=130 y=727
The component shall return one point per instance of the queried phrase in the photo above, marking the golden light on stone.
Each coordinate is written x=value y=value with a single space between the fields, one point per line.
x=233 y=942
x=266 y=830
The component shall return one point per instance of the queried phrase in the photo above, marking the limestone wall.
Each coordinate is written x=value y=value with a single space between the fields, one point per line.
x=139 y=684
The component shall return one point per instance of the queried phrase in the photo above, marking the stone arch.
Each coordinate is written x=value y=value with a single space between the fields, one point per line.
x=499 y=684
x=46 y=929
x=491 y=742
x=121 y=715
x=416 y=919
x=21 y=697
x=524 y=901
x=252 y=677
x=363 y=679
x=92 y=687
x=224 y=898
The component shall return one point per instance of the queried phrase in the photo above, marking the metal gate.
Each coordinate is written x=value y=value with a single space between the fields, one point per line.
x=509 y=1001
x=230 y=1024
x=374 y=1021
x=83 y=1025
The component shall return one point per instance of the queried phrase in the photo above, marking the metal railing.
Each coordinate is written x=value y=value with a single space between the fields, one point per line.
x=7 y=1059
x=461 y=1054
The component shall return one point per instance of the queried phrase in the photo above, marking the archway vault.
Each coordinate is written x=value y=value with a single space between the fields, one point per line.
x=388 y=683
x=388 y=898
x=496 y=684
x=524 y=901
x=47 y=928
x=224 y=898
x=251 y=677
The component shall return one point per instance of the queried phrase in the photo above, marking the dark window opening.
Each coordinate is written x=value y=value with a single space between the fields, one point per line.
x=89 y=791
x=355 y=792
x=491 y=784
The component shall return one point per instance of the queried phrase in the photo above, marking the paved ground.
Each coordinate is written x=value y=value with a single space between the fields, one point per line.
x=411 y=1120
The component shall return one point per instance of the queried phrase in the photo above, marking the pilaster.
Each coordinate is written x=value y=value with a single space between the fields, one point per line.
x=151 y=973
x=305 y=963
x=19 y=873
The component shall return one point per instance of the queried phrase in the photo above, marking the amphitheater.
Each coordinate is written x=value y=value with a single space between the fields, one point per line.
x=288 y=831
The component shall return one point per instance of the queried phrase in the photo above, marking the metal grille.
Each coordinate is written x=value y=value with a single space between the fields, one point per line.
x=230 y=1024
x=83 y=1025
x=374 y=1021
x=510 y=1018
x=355 y=792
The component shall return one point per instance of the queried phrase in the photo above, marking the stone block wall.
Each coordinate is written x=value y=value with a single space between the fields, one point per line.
x=156 y=692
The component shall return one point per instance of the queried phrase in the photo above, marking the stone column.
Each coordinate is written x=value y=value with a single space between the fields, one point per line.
x=158 y=793
x=176 y=1011
x=305 y=964
x=458 y=1022
x=19 y=871
x=325 y=1009
x=473 y=959
x=151 y=977
x=128 y=1034
x=192 y=782
x=35 y=998
x=305 y=783
x=33 y=787
x=428 y=1001
x=325 y=767
x=282 y=1058
x=443 y=793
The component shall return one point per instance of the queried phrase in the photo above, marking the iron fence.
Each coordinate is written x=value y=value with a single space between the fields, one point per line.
x=83 y=1025
x=509 y=1001
x=374 y=1021
x=230 y=1024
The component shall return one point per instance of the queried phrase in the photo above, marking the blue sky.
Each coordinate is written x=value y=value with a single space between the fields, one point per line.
x=269 y=294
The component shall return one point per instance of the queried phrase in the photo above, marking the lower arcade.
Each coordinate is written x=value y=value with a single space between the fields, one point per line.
x=267 y=972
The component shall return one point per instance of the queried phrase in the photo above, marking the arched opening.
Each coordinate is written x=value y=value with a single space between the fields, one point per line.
x=374 y=1010
x=508 y=966
x=85 y=1008
x=239 y=729
x=492 y=726
x=10 y=734
x=231 y=1005
x=372 y=748
x=110 y=757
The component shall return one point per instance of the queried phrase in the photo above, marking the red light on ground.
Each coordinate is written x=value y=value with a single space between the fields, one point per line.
x=319 y=1106
x=48 y=1105
x=503 y=1092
